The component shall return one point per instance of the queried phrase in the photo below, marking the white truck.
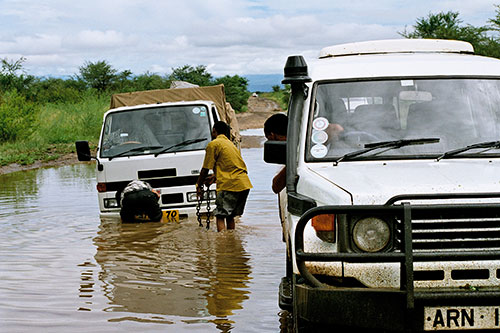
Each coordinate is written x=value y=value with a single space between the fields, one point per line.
x=158 y=136
x=392 y=195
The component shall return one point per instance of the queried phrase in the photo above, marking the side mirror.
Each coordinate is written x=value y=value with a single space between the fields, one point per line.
x=83 y=150
x=275 y=152
x=83 y=153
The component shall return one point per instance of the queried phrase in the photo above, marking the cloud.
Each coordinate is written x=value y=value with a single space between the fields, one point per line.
x=230 y=36
x=95 y=39
x=35 y=44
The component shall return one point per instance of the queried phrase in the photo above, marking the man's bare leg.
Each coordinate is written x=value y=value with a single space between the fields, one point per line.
x=230 y=223
x=221 y=225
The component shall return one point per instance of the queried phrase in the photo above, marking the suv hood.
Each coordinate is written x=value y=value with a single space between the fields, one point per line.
x=375 y=182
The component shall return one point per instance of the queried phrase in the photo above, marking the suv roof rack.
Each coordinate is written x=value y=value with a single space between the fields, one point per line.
x=397 y=46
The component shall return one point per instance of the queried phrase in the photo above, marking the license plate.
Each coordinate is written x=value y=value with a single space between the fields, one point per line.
x=461 y=318
x=170 y=216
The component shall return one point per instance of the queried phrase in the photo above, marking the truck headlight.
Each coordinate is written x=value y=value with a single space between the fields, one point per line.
x=111 y=203
x=371 y=234
x=192 y=197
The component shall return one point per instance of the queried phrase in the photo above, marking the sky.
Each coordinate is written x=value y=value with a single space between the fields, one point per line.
x=229 y=37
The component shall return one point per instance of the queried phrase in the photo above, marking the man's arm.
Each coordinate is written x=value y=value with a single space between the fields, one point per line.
x=279 y=181
x=201 y=179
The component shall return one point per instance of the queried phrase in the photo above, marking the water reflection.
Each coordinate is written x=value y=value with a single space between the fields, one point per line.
x=64 y=269
x=171 y=269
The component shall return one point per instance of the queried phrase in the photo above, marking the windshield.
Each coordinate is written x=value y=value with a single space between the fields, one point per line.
x=346 y=116
x=151 y=130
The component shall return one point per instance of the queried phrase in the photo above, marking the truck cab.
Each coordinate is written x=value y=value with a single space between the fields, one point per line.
x=393 y=187
x=158 y=137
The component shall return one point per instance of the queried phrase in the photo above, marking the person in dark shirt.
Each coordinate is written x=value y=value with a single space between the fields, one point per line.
x=275 y=128
x=139 y=202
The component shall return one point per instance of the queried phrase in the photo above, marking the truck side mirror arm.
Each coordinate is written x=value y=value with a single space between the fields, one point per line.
x=83 y=153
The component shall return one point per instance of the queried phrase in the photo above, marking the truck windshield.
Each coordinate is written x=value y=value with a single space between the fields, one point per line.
x=149 y=130
x=459 y=112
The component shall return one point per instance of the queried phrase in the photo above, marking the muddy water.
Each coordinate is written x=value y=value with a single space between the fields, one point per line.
x=63 y=269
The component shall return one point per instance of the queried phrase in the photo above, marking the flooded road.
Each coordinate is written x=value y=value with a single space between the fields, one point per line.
x=64 y=269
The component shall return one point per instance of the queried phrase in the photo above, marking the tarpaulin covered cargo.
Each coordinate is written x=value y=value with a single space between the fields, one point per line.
x=211 y=93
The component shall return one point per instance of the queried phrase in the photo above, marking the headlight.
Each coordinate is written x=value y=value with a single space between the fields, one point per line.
x=371 y=234
x=111 y=203
x=192 y=197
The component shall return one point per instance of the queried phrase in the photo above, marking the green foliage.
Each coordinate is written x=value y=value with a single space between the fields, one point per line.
x=9 y=77
x=71 y=121
x=195 y=75
x=484 y=39
x=150 y=81
x=54 y=90
x=17 y=116
x=282 y=96
x=98 y=75
x=236 y=89
x=28 y=152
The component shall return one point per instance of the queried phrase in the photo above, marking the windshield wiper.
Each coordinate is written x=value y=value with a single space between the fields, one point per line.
x=489 y=145
x=386 y=144
x=183 y=143
x=142 y=148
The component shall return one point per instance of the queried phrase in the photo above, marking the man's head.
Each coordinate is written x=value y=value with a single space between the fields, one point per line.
x=276 y=126
x=221 y=127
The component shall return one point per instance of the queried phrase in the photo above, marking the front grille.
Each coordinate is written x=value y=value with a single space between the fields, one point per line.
x=172 y=198
x=454 y=234
x=147 y=174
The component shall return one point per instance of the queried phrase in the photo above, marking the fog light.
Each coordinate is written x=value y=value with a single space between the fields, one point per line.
x=371 y=234
x=111 y=203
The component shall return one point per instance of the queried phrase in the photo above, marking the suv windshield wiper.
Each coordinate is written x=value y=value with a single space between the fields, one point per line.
x=183 y=143
x=489 y=145
x=386 y=144
x=142 y=148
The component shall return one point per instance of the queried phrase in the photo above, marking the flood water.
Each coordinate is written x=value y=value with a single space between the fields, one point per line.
x=64 y=269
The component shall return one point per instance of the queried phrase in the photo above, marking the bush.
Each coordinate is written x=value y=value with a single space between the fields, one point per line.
x=17 y=116
x=71 y=121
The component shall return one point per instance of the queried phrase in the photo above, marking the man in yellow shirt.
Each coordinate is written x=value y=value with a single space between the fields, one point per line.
x=233 y=184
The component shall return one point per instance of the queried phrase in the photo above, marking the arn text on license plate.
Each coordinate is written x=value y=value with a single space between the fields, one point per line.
x=461 y=318
x=170 y=216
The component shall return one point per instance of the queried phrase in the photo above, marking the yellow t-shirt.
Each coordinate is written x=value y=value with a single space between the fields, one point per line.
x=224 y=158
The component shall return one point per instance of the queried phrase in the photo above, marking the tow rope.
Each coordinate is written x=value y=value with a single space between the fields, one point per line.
x=200 y=202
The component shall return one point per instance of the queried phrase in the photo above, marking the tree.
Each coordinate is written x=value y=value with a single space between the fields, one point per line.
x=449 y=26
x=99 y=75
x=149 y=81
x=12 y=76
x=195 y=75
x=236 y=88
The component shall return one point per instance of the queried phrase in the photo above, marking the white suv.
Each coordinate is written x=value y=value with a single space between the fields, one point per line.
x=393 y=187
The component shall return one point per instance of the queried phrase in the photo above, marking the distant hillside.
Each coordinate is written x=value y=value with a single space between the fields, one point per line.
x=263 y=82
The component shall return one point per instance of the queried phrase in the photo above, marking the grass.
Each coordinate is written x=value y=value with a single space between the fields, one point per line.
x=59 y=125
x=56 y=129
x=281 y=97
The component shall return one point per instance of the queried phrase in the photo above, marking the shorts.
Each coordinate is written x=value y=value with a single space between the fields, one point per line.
x=140 y=206
x=230 y=204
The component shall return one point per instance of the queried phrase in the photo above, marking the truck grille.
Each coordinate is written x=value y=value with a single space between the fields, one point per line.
x=455 y=234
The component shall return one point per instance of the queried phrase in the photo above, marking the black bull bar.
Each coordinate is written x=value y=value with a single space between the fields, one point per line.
x=404 y=212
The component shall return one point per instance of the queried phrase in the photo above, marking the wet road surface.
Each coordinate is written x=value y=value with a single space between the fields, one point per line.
x=63 y=268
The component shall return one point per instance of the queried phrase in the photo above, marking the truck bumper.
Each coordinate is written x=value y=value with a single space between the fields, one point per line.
x=383 y=309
